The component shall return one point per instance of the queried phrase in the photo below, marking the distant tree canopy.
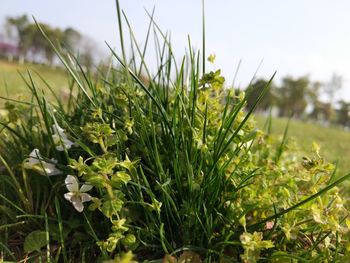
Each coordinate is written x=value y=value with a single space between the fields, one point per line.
x=16 y=28
x=33 y=46
x=333 y=86
x=295 y=95
x=254 y=91
x=344 y=113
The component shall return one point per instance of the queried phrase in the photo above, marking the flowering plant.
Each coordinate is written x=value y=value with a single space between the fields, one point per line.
x=37 y=163
x=77 y=196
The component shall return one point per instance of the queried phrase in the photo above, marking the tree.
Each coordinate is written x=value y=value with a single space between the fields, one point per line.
x=293 y=96
x=322 y=111
x=88 y=51
x=30 y=41
x=254 y=91
x=56 y=36
x=16 y=27
x=343 y=117
x=71 y=39
x=333 y=86
x=37 y=44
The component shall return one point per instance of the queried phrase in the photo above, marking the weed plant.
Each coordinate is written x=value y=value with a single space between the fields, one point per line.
x=158 y=168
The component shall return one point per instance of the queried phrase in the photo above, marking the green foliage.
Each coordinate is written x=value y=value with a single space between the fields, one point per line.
x=252 y=245
x=171 y=168
x=333 y=141
x=35 y=241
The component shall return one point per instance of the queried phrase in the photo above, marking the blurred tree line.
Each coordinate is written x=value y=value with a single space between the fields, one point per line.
x=297 y=97
x=30 y=45
x=301 y=98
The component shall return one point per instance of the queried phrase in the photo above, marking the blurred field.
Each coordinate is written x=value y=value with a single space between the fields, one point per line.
x=334 y=142
x=13 y=86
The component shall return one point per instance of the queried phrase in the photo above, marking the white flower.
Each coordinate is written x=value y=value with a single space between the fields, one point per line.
x=60 y=138
x=37 y=163
x=75 y=195
x=248 y=144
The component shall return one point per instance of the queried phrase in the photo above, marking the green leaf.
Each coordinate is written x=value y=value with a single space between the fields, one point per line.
x=119 y=179
x=119 y=226
x=112 y=139
x=97 y=180
x=96 y=204
x=129 y=165
x=211 y=58
x=112 y=207
x=129 y=240
x=105 y=165
x=79 y=166
x=35 y=241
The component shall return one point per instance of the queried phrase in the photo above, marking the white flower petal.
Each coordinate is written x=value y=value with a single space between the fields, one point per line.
x=61 y=141
x=34 y=158
x=56 y=139
x=35 y=154
x=72 y=183
x=68 y=196
x=85 y=197
x=32 y=161
x=85 y=187
x=68 y=143
x=37 y=163
x=50 y=169
x=77 y=203
x=57 y=129
x=60 y=148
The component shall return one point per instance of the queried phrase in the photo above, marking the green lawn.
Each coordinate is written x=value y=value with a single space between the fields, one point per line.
x=13 y=86
x=334 y=142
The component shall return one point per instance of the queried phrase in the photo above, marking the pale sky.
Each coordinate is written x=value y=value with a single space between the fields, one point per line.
x=294 y=37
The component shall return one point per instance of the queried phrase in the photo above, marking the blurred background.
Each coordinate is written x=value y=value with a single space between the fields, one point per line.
x=306 y=42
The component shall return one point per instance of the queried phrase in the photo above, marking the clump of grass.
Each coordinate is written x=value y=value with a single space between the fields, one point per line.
x=168 y=166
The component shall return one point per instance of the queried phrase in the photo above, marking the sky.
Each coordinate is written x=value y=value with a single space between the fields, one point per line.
x=292 y=37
